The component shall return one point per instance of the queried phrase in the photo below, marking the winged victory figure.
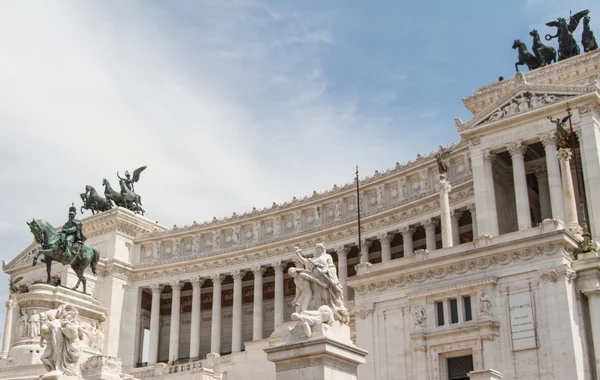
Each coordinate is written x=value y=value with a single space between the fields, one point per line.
x=567 y=46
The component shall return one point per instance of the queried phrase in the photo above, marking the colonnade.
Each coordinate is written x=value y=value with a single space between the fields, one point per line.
x=215 y=342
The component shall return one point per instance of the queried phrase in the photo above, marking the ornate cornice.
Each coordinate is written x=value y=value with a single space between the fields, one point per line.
x=459 y=268
x=575 y=70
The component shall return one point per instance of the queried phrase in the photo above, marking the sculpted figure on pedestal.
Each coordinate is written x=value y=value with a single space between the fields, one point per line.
x=62 y=332
x=23 y=325
x=587 y=37
x=66 y=247
x=485 y=303
x=34 y=324
x=320 y=298
x=567 y=46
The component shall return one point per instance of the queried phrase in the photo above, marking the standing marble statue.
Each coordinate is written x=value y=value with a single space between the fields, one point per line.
x=63 y=333
x=34 y=324
x=320 y=298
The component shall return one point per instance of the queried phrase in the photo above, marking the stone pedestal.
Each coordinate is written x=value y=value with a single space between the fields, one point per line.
x=488 y=374
x=23 y=359
x=101 y=368
x=26 y=347
x=328 y=354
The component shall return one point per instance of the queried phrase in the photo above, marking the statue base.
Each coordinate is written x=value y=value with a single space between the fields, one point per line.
x=25 y=352
x=327 y=355
x=488 y=374
x=57 y=375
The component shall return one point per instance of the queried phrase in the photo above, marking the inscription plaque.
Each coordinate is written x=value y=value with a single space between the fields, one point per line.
x=522 y=322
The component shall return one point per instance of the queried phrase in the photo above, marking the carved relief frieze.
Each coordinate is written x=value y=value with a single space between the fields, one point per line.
x=458 y=269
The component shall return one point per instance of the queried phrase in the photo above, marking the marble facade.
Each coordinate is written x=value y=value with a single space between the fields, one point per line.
x=479 y=273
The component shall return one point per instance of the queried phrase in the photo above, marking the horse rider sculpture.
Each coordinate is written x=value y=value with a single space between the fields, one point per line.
x=72 y=232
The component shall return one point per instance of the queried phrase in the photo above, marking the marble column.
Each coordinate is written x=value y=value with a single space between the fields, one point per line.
x=473 y=210
x=490 y=190
x=342 y=253
x=594 y=306
x=175 y=314
x=430 y=225
x=236 y=328
x=517 y=153
x=444 y=187
x=154 y=324
x=195 y=323
x=278 y=313
x=257 y=331
x=544 y=192
x=215 y=332
x=407 y=240
x=364 y=251
x=455 y=216
x=386 y=248
x=10 y=306
x=564 y=157
x=554 y=182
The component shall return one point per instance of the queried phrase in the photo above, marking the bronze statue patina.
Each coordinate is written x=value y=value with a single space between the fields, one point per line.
x=126 y=197
x=587 y=37
x=440 y=156
x=544 y=54
x=93 y=201
x=525 y=57
x=561 y=133
x=567 y=46
x=66 y=247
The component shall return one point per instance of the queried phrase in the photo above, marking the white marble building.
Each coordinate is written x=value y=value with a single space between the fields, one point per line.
x=477 y=274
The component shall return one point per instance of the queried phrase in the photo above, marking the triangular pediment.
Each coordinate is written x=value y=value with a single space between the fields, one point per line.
x=526 y=98
x=25 y=258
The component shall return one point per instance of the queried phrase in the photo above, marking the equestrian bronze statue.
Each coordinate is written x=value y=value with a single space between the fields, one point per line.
x=65 y=246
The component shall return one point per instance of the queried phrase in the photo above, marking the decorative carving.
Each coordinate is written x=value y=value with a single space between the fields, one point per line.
x=419 y=315
x=156 y=289
x=337 y=209
x=564 y=154
x=485 y=303
x=256 y=231
x=407 y=231
x=63 y=333
x=297 y=220
x=176 y=285
x=459 y=268
x=385 y=237
x=197 y=282
x=516 y=149
x=523 y=102
x=363 y=313
x=307 y=318
x=555 y=275
x=216 y=279
x=216 y=242
x=430 y=223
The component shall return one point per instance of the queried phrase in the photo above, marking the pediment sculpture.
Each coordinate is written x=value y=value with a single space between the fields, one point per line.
x=319 y=296
x=522 y=103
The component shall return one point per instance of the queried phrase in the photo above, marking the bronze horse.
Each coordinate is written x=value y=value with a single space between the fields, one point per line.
x=525 y=57
x=545 y=54
x=53 y=248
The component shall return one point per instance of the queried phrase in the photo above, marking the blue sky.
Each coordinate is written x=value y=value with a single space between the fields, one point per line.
x=234 y=104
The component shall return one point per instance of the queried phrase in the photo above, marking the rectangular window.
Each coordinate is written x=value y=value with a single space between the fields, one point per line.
x=453 y=311
x=459 y=367
x=439 y=307
x=467 y=303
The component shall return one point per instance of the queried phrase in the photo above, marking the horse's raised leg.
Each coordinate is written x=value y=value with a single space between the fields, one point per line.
x=48 y=269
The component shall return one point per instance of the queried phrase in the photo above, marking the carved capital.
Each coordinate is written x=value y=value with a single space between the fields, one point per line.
x=10 y=303
x=258 y=271
x=216 y=278
x=472 y=209
x=549 y=139
x=564 y=154
x=367 y=244
x=156 y=288
x=279 y=266
x=237 y=275
x=343 y=250
x=443 y=186
x=197 y=282
x=456 y=215
x=363 y=313
x=430 y=223
x=489 y=157
x=176 y=285
x=407 y=231
x=385 y=237
x=516 y=149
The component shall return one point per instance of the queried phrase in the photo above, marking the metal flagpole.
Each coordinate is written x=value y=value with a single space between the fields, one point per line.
x=358 y=215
